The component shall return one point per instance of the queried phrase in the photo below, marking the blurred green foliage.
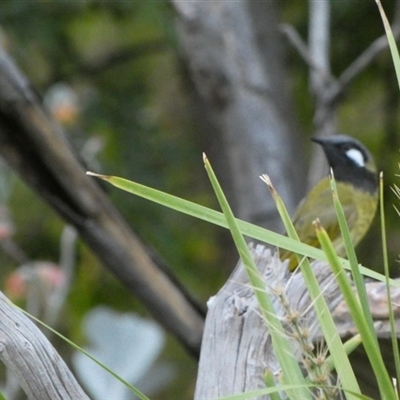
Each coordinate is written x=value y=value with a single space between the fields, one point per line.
x=120 y=58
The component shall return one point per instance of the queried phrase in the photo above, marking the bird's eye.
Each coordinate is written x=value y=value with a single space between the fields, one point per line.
x=356 y=156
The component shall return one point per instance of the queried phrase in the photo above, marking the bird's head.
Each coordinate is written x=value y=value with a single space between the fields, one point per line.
x=350 y=161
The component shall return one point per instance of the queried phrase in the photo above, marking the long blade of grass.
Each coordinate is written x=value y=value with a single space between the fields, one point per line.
x=368 y=337
x=396 y=61
x=389 y=299
x=217 y=218
x=208 y=215
x=281 y=345
x=331 y=335
x=351 y=256
x=391 y=40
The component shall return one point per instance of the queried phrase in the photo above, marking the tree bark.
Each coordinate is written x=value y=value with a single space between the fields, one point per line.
x=235 y=59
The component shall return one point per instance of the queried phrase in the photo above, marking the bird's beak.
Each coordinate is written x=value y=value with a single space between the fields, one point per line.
x=318 y=140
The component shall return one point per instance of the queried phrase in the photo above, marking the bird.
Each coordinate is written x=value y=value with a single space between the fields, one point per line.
x=355 y=173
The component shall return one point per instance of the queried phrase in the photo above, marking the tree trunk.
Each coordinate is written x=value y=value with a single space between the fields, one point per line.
x=235 y=59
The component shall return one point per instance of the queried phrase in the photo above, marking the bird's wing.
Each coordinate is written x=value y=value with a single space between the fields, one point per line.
x=328 y=219
x=319 y=205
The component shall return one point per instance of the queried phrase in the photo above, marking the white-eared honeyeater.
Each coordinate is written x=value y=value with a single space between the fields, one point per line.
x=357 y=184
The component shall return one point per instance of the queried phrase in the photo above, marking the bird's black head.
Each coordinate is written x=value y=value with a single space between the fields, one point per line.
x=350 y=161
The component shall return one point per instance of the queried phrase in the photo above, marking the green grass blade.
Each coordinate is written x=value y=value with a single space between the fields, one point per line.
x=392 y=41
x=217 y=218
x=351 y=255
x=328 y=327
x=389 y=300
x=208 y=215
x=368 y=337
x=281 y=345
x=396 y=61
x=270 y=383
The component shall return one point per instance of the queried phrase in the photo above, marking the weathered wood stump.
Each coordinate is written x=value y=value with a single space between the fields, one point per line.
x=237 y=348
x=41 y=372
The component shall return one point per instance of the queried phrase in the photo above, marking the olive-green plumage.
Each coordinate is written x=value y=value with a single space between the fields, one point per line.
x=356 y=177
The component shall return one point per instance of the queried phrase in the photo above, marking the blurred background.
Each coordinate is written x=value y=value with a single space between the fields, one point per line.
x=117 y=77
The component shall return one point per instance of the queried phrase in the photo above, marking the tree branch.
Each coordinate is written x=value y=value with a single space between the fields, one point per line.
x=298 y=43
x=319 y=44
x=35 y=146
x=362 y=62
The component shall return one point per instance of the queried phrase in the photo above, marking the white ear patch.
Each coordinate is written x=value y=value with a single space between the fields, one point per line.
x=356 y=156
